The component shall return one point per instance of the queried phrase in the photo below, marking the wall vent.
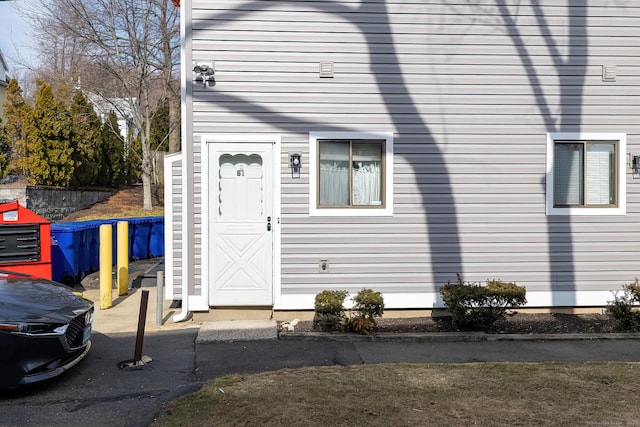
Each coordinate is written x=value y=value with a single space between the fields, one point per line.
x=609 y=73
x=326 y=70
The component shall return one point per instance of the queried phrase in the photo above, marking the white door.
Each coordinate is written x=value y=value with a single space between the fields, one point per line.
x=242 y=220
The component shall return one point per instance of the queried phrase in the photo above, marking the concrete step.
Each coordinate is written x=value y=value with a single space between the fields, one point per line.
x=237 y=330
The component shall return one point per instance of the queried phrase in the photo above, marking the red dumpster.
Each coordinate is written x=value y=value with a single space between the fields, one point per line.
x=25 y=241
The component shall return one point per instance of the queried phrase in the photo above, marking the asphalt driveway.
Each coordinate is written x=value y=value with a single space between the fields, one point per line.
x=100 y=393
x=97 y=392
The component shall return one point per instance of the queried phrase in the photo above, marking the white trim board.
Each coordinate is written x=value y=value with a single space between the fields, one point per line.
x=621 y=209
x=313 y=174
x=206 y=170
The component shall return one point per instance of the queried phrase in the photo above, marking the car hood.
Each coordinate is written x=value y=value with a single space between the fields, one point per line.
x=33 y=299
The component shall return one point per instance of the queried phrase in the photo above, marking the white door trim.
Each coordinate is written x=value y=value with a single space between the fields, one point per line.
x=207 y=228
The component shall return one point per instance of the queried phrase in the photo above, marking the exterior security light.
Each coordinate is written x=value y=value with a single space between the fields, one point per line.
x=295 y=161
x=205 y=74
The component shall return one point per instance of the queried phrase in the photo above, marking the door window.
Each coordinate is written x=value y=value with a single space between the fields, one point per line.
x=241 y=192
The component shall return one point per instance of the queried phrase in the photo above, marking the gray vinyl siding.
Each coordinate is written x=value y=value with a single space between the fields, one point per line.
x=173 y=225
x=197 y=241
x=470 y=95
x=174 y=228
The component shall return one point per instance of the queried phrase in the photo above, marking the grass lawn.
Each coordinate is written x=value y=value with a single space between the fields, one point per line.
x=486 y=394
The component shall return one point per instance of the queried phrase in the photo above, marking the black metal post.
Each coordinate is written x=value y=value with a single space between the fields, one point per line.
x=142 y=319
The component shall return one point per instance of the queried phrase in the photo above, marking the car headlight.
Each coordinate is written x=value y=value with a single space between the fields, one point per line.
x=32 y=328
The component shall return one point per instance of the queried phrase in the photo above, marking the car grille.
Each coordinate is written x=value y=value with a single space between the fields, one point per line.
x=75 y=330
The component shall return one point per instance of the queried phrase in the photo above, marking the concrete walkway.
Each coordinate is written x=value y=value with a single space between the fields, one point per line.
x=124 y=314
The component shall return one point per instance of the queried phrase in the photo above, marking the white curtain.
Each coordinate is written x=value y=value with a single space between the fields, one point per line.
x=366 y=184
x=334 y=184
x=340 y=158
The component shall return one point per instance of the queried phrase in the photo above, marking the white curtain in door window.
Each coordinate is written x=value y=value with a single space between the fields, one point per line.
x=241 y=187
x=599 y=174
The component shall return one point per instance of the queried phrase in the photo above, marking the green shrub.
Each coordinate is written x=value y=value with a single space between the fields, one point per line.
x=474 y=306
x=622 y=308
x=329 y=310
x=368 y=305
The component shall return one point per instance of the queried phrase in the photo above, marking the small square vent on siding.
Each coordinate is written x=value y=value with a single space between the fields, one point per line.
x=609 y=73
x=326 y=70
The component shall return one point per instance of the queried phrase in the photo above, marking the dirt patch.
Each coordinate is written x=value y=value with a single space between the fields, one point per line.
x=126 y=202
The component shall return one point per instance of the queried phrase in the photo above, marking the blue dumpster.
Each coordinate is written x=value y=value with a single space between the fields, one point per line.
x=75 y=248
x=140 y=238
x=83 y=230
x=156 y=238
x=93 y=230
x=65 y=266
x=114 y=238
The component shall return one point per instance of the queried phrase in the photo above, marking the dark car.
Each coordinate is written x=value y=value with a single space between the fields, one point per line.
x=45 y=329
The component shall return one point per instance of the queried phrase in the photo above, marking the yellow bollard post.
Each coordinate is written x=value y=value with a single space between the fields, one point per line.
x=106 y=266
x=123 y=257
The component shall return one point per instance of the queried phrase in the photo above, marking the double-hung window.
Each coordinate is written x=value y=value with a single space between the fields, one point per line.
x=351 y=173
x=586 y=174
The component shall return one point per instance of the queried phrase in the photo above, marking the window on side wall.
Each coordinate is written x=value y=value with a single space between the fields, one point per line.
x=586 y=174
x=351 y=174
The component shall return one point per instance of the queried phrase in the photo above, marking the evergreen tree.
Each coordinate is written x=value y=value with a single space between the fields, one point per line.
x=133 y=159
x=5 y=151
x=86 y=137
x=160 y=128
x=16 y=112
x=111 y=163
x=49 y=132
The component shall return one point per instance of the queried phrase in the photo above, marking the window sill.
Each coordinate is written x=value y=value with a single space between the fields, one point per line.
x=350 y=212
x=586 y=211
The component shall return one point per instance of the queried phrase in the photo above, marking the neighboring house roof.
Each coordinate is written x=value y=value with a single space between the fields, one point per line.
x=103 y=106
x=120 y=106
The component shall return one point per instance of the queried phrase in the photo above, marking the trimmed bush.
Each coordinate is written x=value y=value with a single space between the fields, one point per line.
x=329 y=310
x=478 y=307
x=622 y=308
x=368 y=306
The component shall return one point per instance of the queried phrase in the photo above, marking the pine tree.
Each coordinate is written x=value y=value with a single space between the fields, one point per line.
x=86 y=137
x=5 y=151
x=16 y=113
x=160 y=128
x=112 y=171
x=133 y=159
x=49 y=132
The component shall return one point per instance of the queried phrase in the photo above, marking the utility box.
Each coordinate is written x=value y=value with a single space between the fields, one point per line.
x=25 y=241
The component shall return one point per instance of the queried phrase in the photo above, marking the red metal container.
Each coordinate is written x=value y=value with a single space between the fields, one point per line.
x=25 y=241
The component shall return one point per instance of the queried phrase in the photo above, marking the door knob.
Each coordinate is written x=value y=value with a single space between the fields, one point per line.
x=268 y=223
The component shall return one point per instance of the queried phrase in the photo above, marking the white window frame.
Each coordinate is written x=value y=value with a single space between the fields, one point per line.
x=621 y=138
x=387 y=210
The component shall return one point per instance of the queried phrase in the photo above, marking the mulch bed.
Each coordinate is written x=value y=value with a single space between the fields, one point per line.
x=518 y=323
